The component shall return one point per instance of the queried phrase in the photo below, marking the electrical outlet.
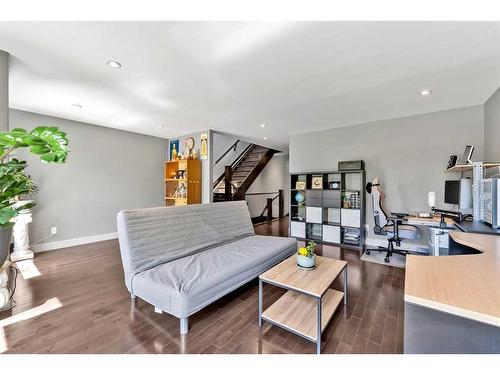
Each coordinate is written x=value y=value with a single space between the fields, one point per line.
x=53 y=230
x=367 y=227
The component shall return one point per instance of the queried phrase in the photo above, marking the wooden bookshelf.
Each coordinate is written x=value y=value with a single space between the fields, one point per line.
x=191 y=180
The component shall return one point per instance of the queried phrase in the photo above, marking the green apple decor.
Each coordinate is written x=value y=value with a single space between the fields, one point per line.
x=51 y=145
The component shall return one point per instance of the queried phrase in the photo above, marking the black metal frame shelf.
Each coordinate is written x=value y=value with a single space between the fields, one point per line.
x=328 y=199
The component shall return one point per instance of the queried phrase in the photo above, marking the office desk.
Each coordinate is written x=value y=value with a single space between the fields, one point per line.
x=438 y=237
x=477 y=227
x=465 y=226
x=430 y=221
x=452 y=303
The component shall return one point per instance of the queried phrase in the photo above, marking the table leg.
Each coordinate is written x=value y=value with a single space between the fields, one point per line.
x=345 y=285
x=260 y=303
x=318 y=333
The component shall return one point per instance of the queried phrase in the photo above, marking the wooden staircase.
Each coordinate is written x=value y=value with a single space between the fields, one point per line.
x=240 y=176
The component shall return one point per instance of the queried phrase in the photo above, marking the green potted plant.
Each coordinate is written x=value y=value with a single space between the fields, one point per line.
x=51 y=145
x=306 y=257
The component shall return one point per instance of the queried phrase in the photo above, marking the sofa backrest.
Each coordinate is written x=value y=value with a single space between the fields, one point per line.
x=152 y=236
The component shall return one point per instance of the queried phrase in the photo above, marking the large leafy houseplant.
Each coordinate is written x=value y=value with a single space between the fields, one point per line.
x=50 y=144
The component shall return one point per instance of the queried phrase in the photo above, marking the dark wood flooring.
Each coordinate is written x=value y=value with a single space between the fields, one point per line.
x=79 y=304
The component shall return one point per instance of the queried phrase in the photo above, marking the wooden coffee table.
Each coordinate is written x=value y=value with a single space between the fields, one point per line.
x=308 y=290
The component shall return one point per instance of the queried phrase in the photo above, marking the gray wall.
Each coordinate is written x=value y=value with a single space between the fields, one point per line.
x=107 y=170
x=492 y=127
x=4 y=91
x=206 y=170
x=275 y=176
x=409 y=155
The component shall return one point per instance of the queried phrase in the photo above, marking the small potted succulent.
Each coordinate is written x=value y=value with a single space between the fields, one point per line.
x=306 y=257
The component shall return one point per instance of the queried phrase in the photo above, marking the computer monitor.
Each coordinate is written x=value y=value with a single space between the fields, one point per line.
x=452 y=191
x=458 y=192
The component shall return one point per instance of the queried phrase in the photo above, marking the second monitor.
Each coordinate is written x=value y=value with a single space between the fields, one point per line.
x=458 y=192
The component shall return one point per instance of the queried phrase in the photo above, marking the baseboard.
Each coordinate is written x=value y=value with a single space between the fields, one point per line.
x=404 y=244
x=73 y=242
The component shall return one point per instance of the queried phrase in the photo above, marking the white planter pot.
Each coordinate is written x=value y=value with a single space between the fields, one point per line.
x=306 y=262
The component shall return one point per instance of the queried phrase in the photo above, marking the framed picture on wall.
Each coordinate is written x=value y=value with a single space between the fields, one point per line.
x=204 y=146
x=174 y=146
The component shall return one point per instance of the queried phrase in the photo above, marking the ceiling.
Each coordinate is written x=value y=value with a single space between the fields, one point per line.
x=183 y=77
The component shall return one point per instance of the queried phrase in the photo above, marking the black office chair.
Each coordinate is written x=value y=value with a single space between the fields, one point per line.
x=389 y=226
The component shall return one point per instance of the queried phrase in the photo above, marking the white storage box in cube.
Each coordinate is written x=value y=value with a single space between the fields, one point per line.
x=314 y=215
x=298 y=229
x=331 y=233
x=350 y=217
x=334 y=215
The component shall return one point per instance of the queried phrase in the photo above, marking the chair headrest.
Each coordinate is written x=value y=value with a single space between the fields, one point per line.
x=370 y=185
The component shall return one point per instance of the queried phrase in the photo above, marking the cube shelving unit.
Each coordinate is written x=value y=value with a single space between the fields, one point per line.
x=333 y=211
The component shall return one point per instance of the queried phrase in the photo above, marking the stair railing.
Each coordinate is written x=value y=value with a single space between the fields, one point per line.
x=269 y=204
x=233 y=147
x=233 y=164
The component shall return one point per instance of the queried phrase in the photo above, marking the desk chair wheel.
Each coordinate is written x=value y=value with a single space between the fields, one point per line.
x=367 y=252
x=387 y=260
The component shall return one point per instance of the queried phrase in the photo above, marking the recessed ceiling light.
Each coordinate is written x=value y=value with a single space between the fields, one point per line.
x=262 y=125
x=161 y=126
x=113 y=63
x=265 y=138
x=425 y=92
x=76 y=105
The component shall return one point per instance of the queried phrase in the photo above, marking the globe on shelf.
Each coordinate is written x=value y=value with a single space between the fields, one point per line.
x=300 y=197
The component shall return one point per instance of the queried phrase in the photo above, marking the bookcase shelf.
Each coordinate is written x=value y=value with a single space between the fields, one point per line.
x=190 y=171
x=334 y=212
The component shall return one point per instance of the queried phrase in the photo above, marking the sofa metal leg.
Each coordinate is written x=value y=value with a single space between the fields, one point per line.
x=184 y=326
x=157 y=310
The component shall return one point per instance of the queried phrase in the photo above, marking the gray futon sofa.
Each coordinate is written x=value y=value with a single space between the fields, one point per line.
x=181 y=259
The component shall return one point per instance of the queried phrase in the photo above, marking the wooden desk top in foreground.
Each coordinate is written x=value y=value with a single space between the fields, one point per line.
x=463 y=285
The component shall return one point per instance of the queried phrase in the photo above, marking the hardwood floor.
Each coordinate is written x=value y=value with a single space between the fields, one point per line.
x=79 y=304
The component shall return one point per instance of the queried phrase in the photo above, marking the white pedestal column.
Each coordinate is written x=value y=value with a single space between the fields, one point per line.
x=20 y=233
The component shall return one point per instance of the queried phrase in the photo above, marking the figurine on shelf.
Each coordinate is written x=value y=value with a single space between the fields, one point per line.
x=195 y=155
x=174 y=153
x=181 y=191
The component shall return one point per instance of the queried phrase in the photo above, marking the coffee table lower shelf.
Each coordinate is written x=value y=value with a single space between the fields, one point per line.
x=296 y=312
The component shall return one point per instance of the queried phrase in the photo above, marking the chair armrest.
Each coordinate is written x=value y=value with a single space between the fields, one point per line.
x=399 y=214
x=395 y=218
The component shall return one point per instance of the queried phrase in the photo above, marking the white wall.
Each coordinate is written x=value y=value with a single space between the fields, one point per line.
x=4 y=91
x=492 y=127
x=275 y=176
x=409 y=155
x=107 y=170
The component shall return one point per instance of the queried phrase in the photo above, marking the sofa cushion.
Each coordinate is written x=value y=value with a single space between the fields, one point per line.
x=152 y=236
x=184 y=286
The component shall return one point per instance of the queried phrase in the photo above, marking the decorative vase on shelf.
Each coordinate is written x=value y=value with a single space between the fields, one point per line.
x=300 y=198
